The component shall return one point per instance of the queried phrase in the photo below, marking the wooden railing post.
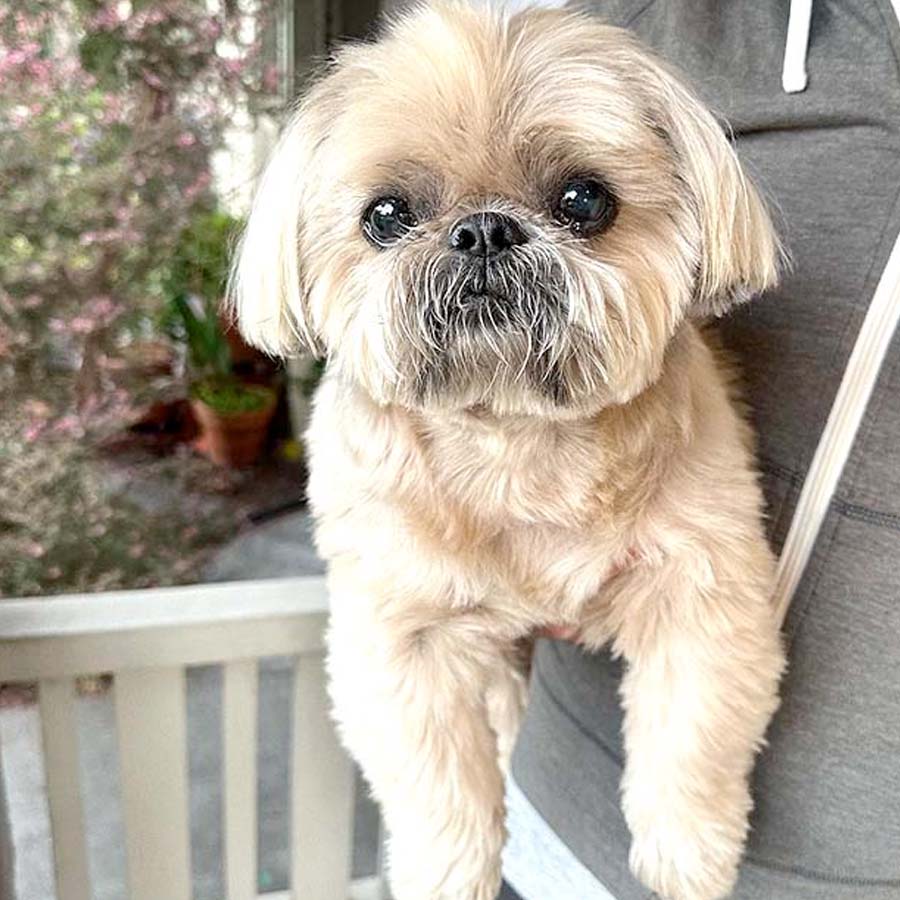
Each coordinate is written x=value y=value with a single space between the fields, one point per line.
x=56 y=697
x=151 y=728
x=322 y=792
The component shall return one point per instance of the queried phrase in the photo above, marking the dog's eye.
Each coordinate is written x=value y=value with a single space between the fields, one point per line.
x=586 y=205
x=386 y=220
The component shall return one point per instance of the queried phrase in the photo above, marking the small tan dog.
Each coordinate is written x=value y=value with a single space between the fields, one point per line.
x=502 y=232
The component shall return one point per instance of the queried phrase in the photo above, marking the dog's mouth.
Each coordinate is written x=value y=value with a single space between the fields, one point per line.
x=498 y=296
x=485 y=329
x=492 y=315
x=478 y=299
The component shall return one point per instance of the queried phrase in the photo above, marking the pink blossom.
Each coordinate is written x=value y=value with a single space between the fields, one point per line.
x=34 y=549
x=198 y=185
x=233 y=66
x=89 y=405
x=12 y=59
x=153 y=80
x=33 y=431
x=186 y=139
x=24 y=25
x=113 y=109
x=155 y=16
x=81 y=325
x=102 y=307
x=271 y=78
x=106 y=19
x=40 y=74
x=206 y=107
x=146 y=19
x=210 y=29
x=69 y=425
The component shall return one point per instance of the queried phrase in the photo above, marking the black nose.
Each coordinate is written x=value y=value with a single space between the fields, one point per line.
x=486 y=234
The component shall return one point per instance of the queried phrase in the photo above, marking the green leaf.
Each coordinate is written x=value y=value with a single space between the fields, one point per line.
x=207 y=346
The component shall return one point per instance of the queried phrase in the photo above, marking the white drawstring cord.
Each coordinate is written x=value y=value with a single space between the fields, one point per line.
x=843 y=423
x=793 y=75
x=848 y=409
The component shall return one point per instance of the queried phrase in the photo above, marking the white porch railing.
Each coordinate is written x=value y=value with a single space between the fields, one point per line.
x=146 y=639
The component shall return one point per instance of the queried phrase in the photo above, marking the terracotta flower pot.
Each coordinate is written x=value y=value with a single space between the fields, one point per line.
x=235 y=438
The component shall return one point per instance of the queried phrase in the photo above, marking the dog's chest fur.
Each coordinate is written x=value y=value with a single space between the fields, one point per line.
x=532 y=504
x=518 y=473
x=524 y=514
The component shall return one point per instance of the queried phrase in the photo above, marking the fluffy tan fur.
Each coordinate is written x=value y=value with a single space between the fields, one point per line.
x=458 y=520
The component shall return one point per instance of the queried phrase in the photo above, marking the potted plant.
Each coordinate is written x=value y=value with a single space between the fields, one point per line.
x=233 y=416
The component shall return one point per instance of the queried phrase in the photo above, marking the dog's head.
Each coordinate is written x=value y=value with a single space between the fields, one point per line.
x=509 y=212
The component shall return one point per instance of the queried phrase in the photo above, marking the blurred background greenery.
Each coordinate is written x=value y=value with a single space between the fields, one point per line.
x=128 y=139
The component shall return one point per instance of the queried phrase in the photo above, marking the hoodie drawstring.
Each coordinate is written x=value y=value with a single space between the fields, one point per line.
x=793 y=75
x=858 y=381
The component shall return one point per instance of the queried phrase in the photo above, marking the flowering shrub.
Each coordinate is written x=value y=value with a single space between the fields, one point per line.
x=108 y=118
x=110 y=113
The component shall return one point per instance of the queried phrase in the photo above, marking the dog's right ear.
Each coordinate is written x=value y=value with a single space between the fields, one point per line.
x=739 y=251
x=265 y=294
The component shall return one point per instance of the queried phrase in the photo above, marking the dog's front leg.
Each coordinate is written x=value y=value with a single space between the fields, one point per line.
x=409 y=697
x=703 y=657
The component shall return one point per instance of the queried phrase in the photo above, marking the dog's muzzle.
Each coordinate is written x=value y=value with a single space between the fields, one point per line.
x=491 y=318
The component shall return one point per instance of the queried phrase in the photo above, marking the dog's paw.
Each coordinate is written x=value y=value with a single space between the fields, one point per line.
x=681 y=864
x=433 y=872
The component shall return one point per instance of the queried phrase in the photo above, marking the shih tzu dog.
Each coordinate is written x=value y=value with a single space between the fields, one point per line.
x=503 y=231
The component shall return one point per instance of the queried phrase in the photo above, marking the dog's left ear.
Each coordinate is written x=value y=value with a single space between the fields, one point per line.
x=739 y=252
